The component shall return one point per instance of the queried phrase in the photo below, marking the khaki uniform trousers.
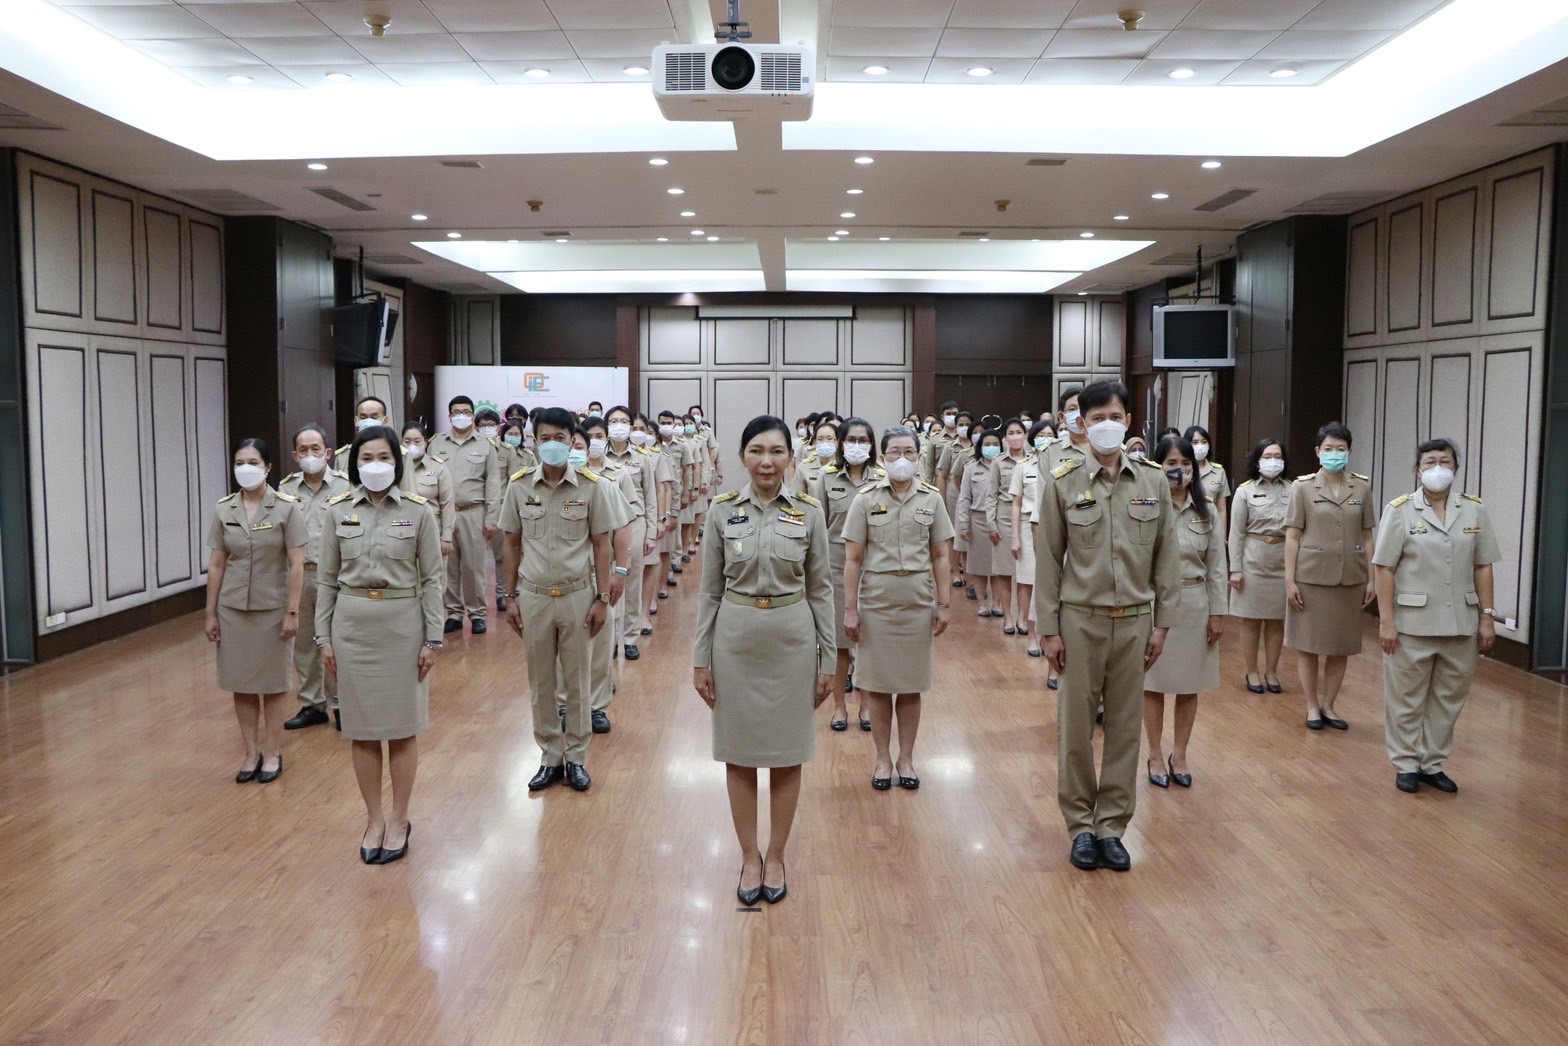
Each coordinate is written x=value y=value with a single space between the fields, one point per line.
x=1104 y=663
x=601 y=666
x=1425 y=683
x=558 y=662
x=631 y=602
x=316 y=688
x=498 y=550
x=465 y=567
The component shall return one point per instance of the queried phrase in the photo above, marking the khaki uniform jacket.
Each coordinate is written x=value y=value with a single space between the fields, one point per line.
x=622 y=480
x=808 y=473
x=836 y=492
x=1106 y=538
x=1216 y=483
x=671 y=458
x=509 y=458
x=1434 y=562
x=1002 y=470
x=431 y=481
x=639 y=464
x=897 y=535
x=1258 y=509
x=256 y=576
x=475 y=469
x=1063 y=451
x=1331 y=552
x=313 y=506
x=976 y=517
x=557 y=523
x=755 y=549
x=931 y=453
x=1025 y=484
x=396 y=544
x=955 y=457
x=1203 y=555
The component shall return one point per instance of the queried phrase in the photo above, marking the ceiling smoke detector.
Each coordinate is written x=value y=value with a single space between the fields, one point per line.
x=1129 y=19
x=377 y=23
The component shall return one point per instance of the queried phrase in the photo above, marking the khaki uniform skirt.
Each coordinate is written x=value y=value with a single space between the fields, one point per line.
x=896 y=652
x=982 y=554
x=1330 y=624
x=764 y=681
x=836 y=568
x=251 y=657
x=377 y=644
x=1023 y=566
x=950 y=499
x=1188 y=664
x=1262 y=595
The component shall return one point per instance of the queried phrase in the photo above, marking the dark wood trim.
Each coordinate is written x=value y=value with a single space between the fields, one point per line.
x=1512 y=653
x=923 y=373
x=627 y=352
x=16 y=565
x=113 y=626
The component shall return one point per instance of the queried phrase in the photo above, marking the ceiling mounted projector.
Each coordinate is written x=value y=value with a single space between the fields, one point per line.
x=731 y=81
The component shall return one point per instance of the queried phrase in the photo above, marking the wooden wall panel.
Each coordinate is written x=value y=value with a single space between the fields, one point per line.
x=1404 y=268
x=173 y=545
x=735 y=401
x=1514 y=250
x=742 y=343
x=1072 y=334
x=799 y=396
x=481 y=332
x=55 y=248
x=120 y=446
x=206 y=279
x=164 y=254
x=114 y=258
x=1453 y=258
x=1110 y=333
x=1361 y=279
x=671 y=392
x=1448 y=408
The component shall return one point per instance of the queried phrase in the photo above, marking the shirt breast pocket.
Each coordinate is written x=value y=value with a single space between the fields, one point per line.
x=1085 y=526
x=532 y=517
x=1199 y=532
x=574 y=519
x=789 y=542
x=1144 y=522
x=400 y=543
x=351 y=541
x=740 y=542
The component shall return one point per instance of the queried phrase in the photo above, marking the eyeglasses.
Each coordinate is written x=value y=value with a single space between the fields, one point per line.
x=909 y=453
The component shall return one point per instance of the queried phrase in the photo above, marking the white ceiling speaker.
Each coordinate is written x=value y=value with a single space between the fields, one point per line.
x=734 y=81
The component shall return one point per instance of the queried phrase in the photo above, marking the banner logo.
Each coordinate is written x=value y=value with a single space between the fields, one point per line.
x=536 y=381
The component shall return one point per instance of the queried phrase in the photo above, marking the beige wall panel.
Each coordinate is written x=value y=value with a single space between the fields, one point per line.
x=1399 y=429
x=1448 y=406
x=120 y=457
x=1453 y=259
x=881 y=401
x=811 y=343
x=481 y=331
x=1515 y=244
x=65 y=558
x=1072 y=334
x=1361 y=414
x=741 y=343
x=674 y=338
x=56 y=249
x=1404 y=268
x=173 y=541
x=206 y=267
x=1110 y=332
x=114 y=258
x=802 y=396
x=164 y=252
x=212 y=447
x=1506 y=465
x=879 y=338
x=1361 y=279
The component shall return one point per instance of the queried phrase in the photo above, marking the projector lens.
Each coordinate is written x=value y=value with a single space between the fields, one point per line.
x=733 y=68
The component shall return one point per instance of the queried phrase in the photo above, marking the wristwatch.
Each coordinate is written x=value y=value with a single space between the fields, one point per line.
x=322 y=640
x=434 y=644
x=603 y=597
x=1489 y=611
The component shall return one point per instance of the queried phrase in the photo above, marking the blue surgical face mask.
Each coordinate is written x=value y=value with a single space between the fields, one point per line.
x=1334 y=460
x=1041 y=442
x=690 y=430
x=554 y=453
x=513 y=439
x=990 y=453
x=577 y=459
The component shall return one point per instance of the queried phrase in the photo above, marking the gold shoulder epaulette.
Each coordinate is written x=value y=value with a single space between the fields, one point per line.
x=1471 y=497
x=808 y=499
x=589 y=473
x=285 y=497
x=291 y=475
x=932 y=487
x=228 y=498
x=416 y=499
x=1364 y=479
x=1216 y=466
x=338 y=474
x=832 y=469
x=1061 y=471
x=1399 y=501
x=334 y=499
x=1310 y=475
x=879 y=472
x=1155 y=464
x=728 y=495
x=520 y=473
x=643 y=450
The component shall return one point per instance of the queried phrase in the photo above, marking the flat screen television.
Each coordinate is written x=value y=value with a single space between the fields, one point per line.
x=360 y=332
x=1195 y=337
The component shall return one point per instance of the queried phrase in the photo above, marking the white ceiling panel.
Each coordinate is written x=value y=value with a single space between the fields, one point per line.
x=302 y=50
x=1081 y=70
x=612 y=43
x=1157 y=71
x=1251 y=14
x=216 y=51
x=1102 y=43
x=408 y=16
x=415 y=47
x=128 y=22
x=1256 y=74
x=904 y=43
x=112 y=3
x=992 y=43
x=1314 y=43
x=899 y=70
x=509 y=47
x=613 y=70
x=1157 y=14
x=252 y=19
x=1010 y=14
x=931 y=14
x=487 y=16
x=611 y=14
x=956 y=71
x=562 y=71
x=1212 y=43
x=364 y=74
x=435 y=74
x=1359 y=14
x=265 y=77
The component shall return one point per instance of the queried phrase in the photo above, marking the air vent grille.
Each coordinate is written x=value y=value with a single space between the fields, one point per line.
x=685 y=71
x=557 y=234
x=343 y=199
x=1339 y=202
x=1224 y=200
x=467 y=165
x=1046 y=161
x=226 y=201
x=779 y=73
x=971 y=234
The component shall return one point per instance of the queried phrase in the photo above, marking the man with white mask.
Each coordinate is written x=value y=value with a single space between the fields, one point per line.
x=312 y=485
x=477 y=486
x=370 y=410
x=1107 y=582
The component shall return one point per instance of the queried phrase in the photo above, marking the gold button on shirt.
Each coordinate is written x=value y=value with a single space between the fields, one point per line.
x=1434 y=562
x=475 y=469
x=313 y=505
x=897 y=532
x=557 y=522
x=1331 y=551
x=396 y=544
x=256 y=576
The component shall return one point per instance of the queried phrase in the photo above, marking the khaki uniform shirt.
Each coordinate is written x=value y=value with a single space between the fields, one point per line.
x=431 y=481
x=931 y=453
x=1106 y=538
x=955 y=457
x=1063 y=451
x=1203 y=555
x=622 y=480
x=836 y=491
x=1002 y=470
x=808 y=473
x=475 y=468
x=557 y=522
x=256 y=576
x=639 y=464
x=671 y=458
x=313 y=505
x=509 y=458
x=758 y=548
x=1216 y=484
x=1257 y=511
x=1434 y=562
x=976 y=518
x=1025 y=484
x=396 y=544
x=897 y=534
x=1331 y=550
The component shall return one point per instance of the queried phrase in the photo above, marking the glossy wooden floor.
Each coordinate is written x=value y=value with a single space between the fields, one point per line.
x=1291 y=896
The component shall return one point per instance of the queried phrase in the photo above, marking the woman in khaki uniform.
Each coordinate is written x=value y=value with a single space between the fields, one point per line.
x=1015 y=451
x=896 y=574
x=1257 y=562
x=976 y=522
x=950 y=463
x=836 y=489
x=378 y=623
x=1190 y=663
x=824 y=452
x=430 y=480
x=254 y=574
x=1023 y=499
x=1216 y=483
x=672 y=452
x=693 y=453
x=764 y=663
x=1328 y=571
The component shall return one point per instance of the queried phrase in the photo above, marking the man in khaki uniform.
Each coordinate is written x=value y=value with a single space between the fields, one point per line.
x=1072 y=443
x=1107 y=583
x=940 y=438
x=311 y=487
x=477 y=485
x=1434 y=556
x=601 y=650
x=558 y=522
x=368 y=412
x=639 y=464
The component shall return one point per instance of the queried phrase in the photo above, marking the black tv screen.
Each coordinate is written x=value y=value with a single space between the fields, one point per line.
x=1196 y=336
x=356 y=334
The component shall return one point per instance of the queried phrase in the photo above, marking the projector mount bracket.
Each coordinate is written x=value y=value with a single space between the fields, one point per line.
x=733 y=30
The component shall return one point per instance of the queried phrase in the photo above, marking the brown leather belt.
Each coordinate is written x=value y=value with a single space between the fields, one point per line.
x=1267 y=539
x=1136 y=610
x=764 y=602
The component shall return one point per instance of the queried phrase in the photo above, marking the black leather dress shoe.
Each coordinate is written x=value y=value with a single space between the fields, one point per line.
x=1113 y=855
x=775 y=894
x=1314 y=724
x=631 y=652
x=1254 y=688
x=747 y=898
x=1158 y=780
x=453 y=624
x=546 y=777
x=1441 y=781
x=1407 y=782
x=269 y=776
x=601 y=722
x=1274 y=687
x=577 y=777
x=1337 y=724
x=337 y=719
x=970 y=593
x=1185 y=780
x=678 y=569
x=479 y=627
x=247 y=776
x=500 y=602
x=647 y=631
x=1084 y=854
x=309 y=715
x=881 y=784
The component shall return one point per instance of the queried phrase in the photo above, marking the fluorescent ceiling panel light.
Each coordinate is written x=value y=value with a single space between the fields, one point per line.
x=928 y=281
x=635 y=281
x=1013 y=255
x=589 y=256
x=1211 y=165
x=875 y=70
x=239 y=79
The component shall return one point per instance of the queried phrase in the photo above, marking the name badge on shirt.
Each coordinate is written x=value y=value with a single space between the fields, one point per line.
x=1419 y=528
x=1259 y=494
x=576 y=504
x=925 y=513
x=351 y=520
x=736 y=520
x=1356 y=501
x=1144 y=501
x=476 y=455
x=533 y=499
x=1086 y=498
x=401 y=523
x=880 y=510
x=261 y=526
x=1472 y=530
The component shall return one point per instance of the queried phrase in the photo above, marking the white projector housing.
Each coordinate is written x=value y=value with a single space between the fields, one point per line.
x=734 y=81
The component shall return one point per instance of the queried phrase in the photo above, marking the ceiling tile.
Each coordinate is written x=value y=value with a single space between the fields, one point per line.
x=992 y=43
x=1081 y=70
x=1251 y=74
x=1009 y=14
x=1206 y=43
x=238 y=20
x=1102 y=43
x=301 y=50
x=1157 y=14
x=613 y=70
x=954 y=71
x=1250 y=14
x=890 y=14
x=899 y=70
x=1158 y=72
x=1312 y=43
x=612 y=14
x=212 y=53
x=265 y=78
x=905 y=43
x=435 y=74
x=515 y=47
x=610 y=43
x=408 y=16
x=415 y=47
x=364 y=74
x=145 y=23
x=112 y=3
x=561 y=72
x=1359 y=14
x=487 y=16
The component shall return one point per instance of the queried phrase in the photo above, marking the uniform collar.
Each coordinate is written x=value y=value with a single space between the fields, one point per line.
x=1428 y=513
x=535 y=476
x=1320 y=482
x=473 y=433
x=1094 y=468
x=361 y=495
x=747 y=493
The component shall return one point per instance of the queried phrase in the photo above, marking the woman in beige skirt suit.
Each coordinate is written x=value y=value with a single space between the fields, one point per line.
x=763 y=656
x=1257 y=562
x=378 y=623
x=1023 y=498
x=896 y=575
x=254 y=575
x=1191 y=661
x=1328 y=571
x=1015 y=450
x=976 y=522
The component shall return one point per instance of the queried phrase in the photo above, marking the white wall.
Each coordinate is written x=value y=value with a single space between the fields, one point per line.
x=1445 y=332
x=126 y=372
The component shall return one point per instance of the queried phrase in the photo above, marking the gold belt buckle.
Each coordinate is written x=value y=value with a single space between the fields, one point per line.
x=373 y=593
x=1116 y=612
x=552 y=592
x=763 y=602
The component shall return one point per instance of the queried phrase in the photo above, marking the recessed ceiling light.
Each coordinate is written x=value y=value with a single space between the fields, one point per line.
x=847 y=214
x=635 y=70
x=985 y=239
x=536 y=74
x=454 y=236
x=1282 y=74
x=673 y=191
x=688 y=214
x=316 y=166
x=1086 y=236
x=561 y=239
x=664 y=239
x=875 y=70
x=840 y=232
x=1160 y=196
x=713 y=239
x=237 y=78
x=884 y=239
x=419 y=217
x=1121 y=217
x=657 y=161
x=832 y=239
x=698 y=232
x=1083 y=294
x=1181 y=74
x=340 y=78
x=853 y=192
x=980 y=70
x=1211 y=165
x=863 y=160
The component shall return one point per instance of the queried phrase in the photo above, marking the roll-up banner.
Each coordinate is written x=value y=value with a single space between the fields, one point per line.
x=497 y=387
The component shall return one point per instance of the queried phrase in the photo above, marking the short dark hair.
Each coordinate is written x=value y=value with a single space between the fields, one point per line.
x=895 y=431
x=1196 y=430
x=1334 y=430
x=459 y=401
x=596 y=403
x=1010 y=422
x=1183 y=446
x=764 y=423
x=1169 y=430
x=508 y=426
x=364 y=436
x=666 y=414
x=1043 y=425
x=487 y=415
x=1440 y=443
x=1101 y=393
x=559 y=417
x=843 y=434
x=830 y=423
x=950 y=405
x=1068 y=393
x=258 y=445
x=411 y=425
x=516 y=408
x=312 y=427
x=371 y=399
x=961 y=415
x=621 y=409
x=694 y=408
x=1256 y=456
x=595 y=421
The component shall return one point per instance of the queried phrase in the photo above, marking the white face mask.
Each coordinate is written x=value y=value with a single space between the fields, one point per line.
x=1136 y=455
x=961 y=431
x=666 y=431
x=1438 y=478
x=901 y=470
x=641 y=439
x=620 y=431
x=364 y=423
x=376 y=476
x=414 y=452
x=1200 y=451
x=249 y=477
x=826 y=450
x=1270 y=467
x=312 y=465
x=697 y=418
x=461 y=422
x=488 y=431
x=1106 y=436
x=597 y=447
x=857 y=453
x=949 y=420
x=1074 y=420
x=800 y=433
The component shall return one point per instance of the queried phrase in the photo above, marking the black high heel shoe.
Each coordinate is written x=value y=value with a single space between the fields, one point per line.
x=268 y=776
x=247 y=776
x=388 y=856
x=1157 y=780
x=771 y=895
x=749 y=898
x=1185 y=780
x=371 y=854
